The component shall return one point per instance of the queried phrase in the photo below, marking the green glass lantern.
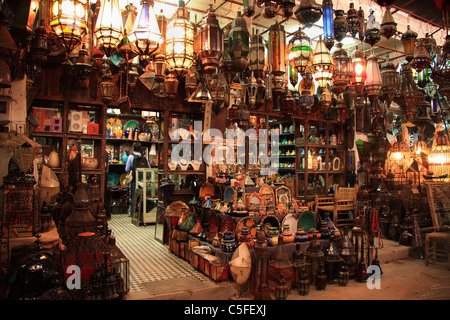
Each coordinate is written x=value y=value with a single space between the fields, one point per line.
x=239 y=43
x=300 y=51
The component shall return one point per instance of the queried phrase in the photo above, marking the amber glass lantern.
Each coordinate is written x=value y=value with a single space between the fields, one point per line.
x=342 y=71
x=399 y=157
x=409 y=39
x=211 y=39
x=180 y=42
x=388 y=25
x=439 y=157
x=373 y=82
x=322 y=66
x=408 y=94
x=145 y=37
x=359 y=74
x=300 y=51
x=421 y=59
x=109 y=29
x=390 y=80
x=68 y=19
x=277 y=55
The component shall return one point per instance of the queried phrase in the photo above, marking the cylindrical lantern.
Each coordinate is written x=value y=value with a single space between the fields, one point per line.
x=300 y=51
x=390 y=80
x=180 y=42
x=353 y=20
x=408 y=94
x=340 y=25
x=409 y=39
x=68 y=19
x=342 y=71
x=211 y=38
x=239 y=43
x=322 y=66
x=108 y=29
x=328 y=23
x=257 y=63
x=373 y=82
x=277 y=55
x=359 y=75
x=439 y=157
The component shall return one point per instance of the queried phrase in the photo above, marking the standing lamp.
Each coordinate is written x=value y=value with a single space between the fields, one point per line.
x=298 y=261
x=211 y=39
x=359 y=74
x=322 y=66
x=328 y=24
x=281 y=289
x=314 y=258
x=344 y=276
x=109 y=29
x=349 y=254
x=259 y=283
x=68 y=19
x=304 y=284
x=333 y=262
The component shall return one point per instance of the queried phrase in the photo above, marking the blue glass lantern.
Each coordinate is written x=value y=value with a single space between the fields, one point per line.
x=328 y=24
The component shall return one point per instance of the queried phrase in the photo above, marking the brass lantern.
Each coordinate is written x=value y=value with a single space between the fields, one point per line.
x=270 y=9
x=277 y=55
x=109 y=28
x=300 y=51
x=308 y=12
x=39 y=48
x=106 y=85
x=340 y=25
x=239 y=43
x=359 y=74
x=257 y=63
x=373 y=82
x=180 y=42
x=421 y=59
x=372 y=33
x=408 y=95
x=409 y=39
x=145 y=37
x=390 y=80
x=82 y=65
x=249 y=7
x=342 y=71
x=353 y=20
x=388 y=25
x=218 y=88
x=211 y=38
x=252 y=90
x=439 y=156
x=68 y=19
x=287 y=6
x=322 y=66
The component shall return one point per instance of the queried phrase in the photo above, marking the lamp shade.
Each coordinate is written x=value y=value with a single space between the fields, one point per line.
x=68 y=19
x=109 y=29
x=322 y=66
x=145 y=37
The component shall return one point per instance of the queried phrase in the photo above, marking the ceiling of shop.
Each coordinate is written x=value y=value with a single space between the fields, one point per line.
x=425 y=10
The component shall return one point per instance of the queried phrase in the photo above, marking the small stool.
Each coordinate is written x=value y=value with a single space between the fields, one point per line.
x=432 y=252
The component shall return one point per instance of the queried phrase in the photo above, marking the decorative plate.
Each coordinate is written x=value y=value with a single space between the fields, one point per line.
x=268 y=222
x=291 y=220
x=131 y=125
x=123 y=178
x=206 y=189
x=227 y=224
x=307 y=221
x=248 y=222
x=113 y=179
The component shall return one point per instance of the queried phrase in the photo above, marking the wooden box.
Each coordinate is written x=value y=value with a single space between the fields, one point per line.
x=218 y=271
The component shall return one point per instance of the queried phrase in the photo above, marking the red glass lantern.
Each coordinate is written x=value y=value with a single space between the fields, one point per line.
x=359 y=74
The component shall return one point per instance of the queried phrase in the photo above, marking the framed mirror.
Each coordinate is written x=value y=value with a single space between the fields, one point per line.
x=336 y=163
x=283 y=195
x=229 y=194
x=240 y=192
x=255 y=199
x=267 y=194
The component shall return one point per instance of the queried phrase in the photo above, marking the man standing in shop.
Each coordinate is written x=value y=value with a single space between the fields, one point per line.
x=135 y=160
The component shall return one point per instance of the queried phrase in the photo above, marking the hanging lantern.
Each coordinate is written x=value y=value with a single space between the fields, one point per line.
x=322 y=66
x=340 y=25
x=441 y=70
x=390 y=80
x=239 y=43
x=287 y=7
x=277 y=55
x=191 y=80
x=300 y=51
x=160 y=68
x=293 y=76
x=325 y=102
x=399 y=156
x=108 y=29
x=373 y=82
x=430 y=44
x=249 y=7
x=270 y=9
x=349 y=254
x=82 y=65
x=242 y=116
x=328 y=24
x=343 y=70
x=201 y=93
x=421 y=58
x=211 y=38
x=218 y=88
x=106 y=85
x=359 y=75
x=439 y=157
x=68 y=19
x=372 y=33
x=252 y=90
x=362 y=24
x=353 y=20
x=39 y=47
x=257 y=63
x=180 y=42
x=159 y=56
x=408 y=94
x=145 y=37
x=409 y=39
x=388 y=25
x=308 y=13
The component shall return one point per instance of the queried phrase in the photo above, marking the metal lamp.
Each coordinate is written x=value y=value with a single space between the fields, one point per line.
x=300 y=51
x=270 y=9
x=359 y=74
x=353 y=20
x=344 y=276
x=249 y=7
x=314 y=258
x=211 y=38
x=258 y=61
x=252 y=90
x=421 y=59
x=388 y=25
x=409 y=39
x=218 y=88
x=322 y=66
x=441 y=70
x=109 y=27
x=287 y=6
x=408 y=94
x=390 y=80
x=328 y=24
x=372 y=33
x=83 y=66
x=145 y=36
x=342 y=71
x=308 y=13
x=439 y=156
x=349 y=254
x=239 y=43
x=106 y=85
x=39 y=48
x=373 y=82
x=68 y=19
x=277 y=56
x=281 y=289
x=340 y=25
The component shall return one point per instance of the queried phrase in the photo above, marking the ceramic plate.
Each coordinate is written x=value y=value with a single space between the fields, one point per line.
x=248 y=222
x=132 y=124
x=113 y=179
x=291 y=220
x=175 y=208
x=268 y=222
x=307 y=221
x=123 y=177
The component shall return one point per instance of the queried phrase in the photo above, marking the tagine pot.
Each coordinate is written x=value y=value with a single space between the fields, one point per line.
x=287 y=235
x=228 y=243
x=301 y=235
x=323 y=230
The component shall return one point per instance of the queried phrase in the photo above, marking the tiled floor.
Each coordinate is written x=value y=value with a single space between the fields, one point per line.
x=149 y=259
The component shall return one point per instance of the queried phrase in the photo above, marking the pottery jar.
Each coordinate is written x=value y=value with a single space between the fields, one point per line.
x=228 y=243
x=301 y=235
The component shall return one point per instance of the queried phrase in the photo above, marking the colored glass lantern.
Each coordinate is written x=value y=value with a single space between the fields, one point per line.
x=439 y=157
x=287 y=6
x=421 y=59
x=388 y=25
x=211 y=38
x=249 y=7
x=68 y=19
x=409 y=39
x=300 y=51
x=372 y=32
x=277 y=55
x=180 y=53
x=257 y=63
x=343 y=69
x=109 y=29
x=308 y=13
x=239 y=43
x=408 y=94
x=359 y=74
x=270 y=9
x=373 y=82
x=145 y=37
x=218 y=88
x=390 y=80
x=322 y=66
x=340 y=25
x=353 y=20
x=328 y=23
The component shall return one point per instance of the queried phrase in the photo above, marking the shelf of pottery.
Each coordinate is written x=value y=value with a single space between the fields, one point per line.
x=282 y=140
